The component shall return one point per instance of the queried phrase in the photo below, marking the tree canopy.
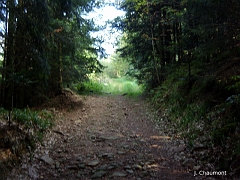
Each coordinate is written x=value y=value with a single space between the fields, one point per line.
x=165 y=34
x=46 y=46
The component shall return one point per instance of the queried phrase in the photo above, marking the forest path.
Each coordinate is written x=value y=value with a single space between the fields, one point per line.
x=106 y=137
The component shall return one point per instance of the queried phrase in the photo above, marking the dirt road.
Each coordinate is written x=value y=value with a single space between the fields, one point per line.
x=105 y=137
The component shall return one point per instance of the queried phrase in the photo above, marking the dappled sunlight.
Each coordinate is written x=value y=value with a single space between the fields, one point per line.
x=5 y=154
x=156 y=146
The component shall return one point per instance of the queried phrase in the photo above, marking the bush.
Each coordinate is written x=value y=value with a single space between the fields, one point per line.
x=32 y=119
x=121 y=86
x=89 y=86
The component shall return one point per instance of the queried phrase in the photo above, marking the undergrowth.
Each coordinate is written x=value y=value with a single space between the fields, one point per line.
x=203 y=109
x=115 y=86
x=120 y=86
x=20 y=131
x=89 y=87
x=32 y=123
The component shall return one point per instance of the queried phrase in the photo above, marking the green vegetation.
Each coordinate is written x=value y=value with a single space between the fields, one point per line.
x=89 y=87
x=114 y=79
x=115 y=86
x=39 y=121
x=205 y=113
x=33 y=123
x=20 y=132
x=120 y=86
x=47 y=46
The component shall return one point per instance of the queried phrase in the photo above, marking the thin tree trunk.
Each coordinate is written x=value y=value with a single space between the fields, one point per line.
x=8 y=91
x=154 y=58
x=60 y=66
x=3 y=84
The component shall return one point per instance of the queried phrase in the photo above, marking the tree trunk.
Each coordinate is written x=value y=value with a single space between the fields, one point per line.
x=9 y=68
x=60 y=80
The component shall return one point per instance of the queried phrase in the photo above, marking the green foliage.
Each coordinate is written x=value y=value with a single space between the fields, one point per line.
x=120 y=86
x=3 y=114
x=115 y=86
x=207 y=109
x=32 y=124
x=49 y=46
x=39 y=121
x=235 y=84
x=89 y=87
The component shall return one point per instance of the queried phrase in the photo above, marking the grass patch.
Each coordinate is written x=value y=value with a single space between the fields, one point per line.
x=89 y=87
x=33 y=124
x=26 y=129
x=115 y=86
x=120 y=86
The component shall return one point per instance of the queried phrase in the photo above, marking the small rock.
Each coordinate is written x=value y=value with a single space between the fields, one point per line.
x=127 y=167
x=78 y=121
x=32 y=173
x=93 y=163
x=110 y=167
x=181 y=142
x=125 y=146
x=59 y=151
x=80 y=174
x=119 y=174
x=196 y=168
x=121 y=152
x=47 y=159
x=137 y=166
x=150 y=162
x=108 y=137
x=198 y=146
x=44 y=143
x=89 y=155
x=189 y=162
x=145 y=173
x=179 y=149
x=72 y=167
x=129 y=171
x=203 y=153
x=79 y=159
x=182 y=154
x=108 y=155
x=176 y=157
x=81 y=166
x=57 y=165
x=143 y=141
x=133 y=136
x=98 y=174
x=114 y=164
x=103 y=167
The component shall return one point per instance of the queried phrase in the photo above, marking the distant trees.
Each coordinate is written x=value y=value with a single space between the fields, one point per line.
x=163 y=35
x=46 y=45
x=115 y=67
